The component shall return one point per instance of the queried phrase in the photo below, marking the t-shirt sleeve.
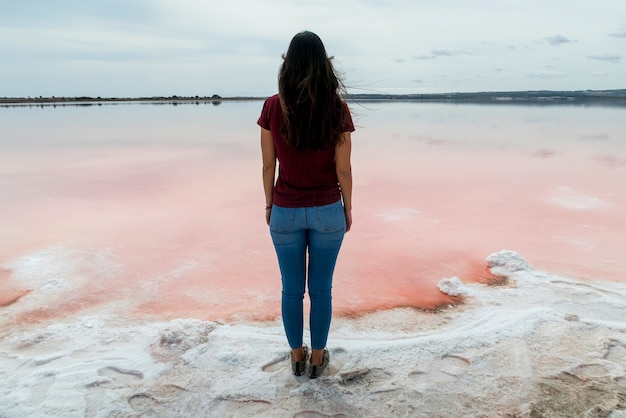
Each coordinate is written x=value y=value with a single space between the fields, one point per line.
x=264 y=119
x=348 y=125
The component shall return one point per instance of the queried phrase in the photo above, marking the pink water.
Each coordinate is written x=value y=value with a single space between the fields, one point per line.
x=152 y=210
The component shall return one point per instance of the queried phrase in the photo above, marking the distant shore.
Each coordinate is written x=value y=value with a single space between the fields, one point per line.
x=583 y=97
x=95 y=100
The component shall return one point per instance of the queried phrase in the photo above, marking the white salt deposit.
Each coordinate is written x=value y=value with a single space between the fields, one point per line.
x=539 y=345
x=505 y=262
x=453 y=286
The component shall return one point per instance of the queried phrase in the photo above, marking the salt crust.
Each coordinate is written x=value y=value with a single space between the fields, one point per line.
x=453 y=286
x=542 y=346
x=506 y=262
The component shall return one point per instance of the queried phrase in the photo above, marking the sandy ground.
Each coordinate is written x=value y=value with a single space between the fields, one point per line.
x=536 y=345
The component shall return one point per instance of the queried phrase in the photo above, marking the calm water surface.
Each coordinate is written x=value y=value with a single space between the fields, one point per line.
x=158 y=209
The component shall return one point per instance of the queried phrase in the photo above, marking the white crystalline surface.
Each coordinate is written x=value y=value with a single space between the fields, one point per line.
x=540 y=345
x=452 y=286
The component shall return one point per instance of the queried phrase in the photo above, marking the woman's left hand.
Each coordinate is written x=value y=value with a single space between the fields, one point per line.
x=348 y=213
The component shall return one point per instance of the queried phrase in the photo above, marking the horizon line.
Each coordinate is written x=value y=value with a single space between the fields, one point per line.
x=218 y=97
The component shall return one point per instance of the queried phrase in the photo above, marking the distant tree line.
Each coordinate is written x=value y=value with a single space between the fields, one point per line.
x=90 y=99
x=590 y=97
x=532 y=96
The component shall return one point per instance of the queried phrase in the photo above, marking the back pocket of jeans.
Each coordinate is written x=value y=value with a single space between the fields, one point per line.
x=281 y=219
x=331 y=217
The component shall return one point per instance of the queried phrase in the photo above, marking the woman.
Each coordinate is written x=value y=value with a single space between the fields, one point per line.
x=306 y=127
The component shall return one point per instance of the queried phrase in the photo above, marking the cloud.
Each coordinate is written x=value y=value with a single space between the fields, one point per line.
x=189 y=45
x=557 y=40
x=546 y=74
x=436 y=53
x=614 y=59
x=621 y=34
x=42 y=13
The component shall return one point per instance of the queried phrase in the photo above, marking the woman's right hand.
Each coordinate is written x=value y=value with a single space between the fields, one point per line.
x=268 y=214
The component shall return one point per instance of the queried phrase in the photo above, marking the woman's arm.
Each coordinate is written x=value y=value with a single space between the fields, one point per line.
x=268 y=153
x=344 y=175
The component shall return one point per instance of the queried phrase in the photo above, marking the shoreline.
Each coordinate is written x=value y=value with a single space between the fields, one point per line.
x=541 y=345
x=615 y=97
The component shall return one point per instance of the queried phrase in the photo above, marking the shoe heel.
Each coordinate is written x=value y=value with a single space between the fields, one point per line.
x=298 y=368
x=316 y=371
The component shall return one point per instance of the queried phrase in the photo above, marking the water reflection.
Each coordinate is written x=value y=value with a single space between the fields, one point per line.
x=53 y=104
x=158 y=206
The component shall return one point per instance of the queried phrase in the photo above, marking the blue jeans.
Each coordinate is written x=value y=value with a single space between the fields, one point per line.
x=320 y=229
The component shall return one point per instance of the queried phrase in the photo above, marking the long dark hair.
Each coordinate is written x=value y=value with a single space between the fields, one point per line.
x=310 y=94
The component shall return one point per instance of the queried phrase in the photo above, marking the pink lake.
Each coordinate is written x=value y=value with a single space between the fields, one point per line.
x=145 y=210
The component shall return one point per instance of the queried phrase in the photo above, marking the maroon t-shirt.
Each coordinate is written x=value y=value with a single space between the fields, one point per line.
x=305 y=178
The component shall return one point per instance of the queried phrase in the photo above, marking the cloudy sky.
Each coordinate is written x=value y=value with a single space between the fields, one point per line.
x=233 y=47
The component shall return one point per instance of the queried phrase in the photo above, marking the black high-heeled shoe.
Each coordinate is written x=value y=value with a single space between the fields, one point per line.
x=315 y=371
x=297 y=367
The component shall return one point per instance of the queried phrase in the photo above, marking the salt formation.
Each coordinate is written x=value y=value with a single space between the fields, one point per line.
x=548 y=347
x=505 y=262
x=453 y=286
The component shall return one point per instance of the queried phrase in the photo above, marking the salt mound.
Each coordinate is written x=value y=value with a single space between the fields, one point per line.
x=505 y=262
x=182 y=334
x=453 y=286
